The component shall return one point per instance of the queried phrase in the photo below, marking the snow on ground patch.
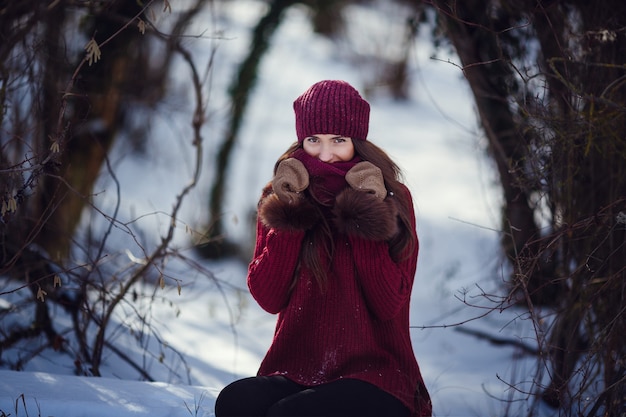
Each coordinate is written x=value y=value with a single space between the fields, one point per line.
x=43 y=394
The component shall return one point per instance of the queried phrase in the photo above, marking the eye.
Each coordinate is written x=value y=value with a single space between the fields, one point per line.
x=339 y=140
x=312 y=139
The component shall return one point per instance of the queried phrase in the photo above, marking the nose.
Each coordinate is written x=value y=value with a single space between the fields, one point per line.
x=325 y=153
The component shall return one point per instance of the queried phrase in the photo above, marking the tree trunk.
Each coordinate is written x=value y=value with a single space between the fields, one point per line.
x=489 y=76
x=566 y=141
x=240 y=89
x=98 y=115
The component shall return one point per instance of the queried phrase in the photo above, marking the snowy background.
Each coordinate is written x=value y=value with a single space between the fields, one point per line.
x=214 y=324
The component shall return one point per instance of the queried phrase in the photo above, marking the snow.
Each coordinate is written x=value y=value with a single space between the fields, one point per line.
x=217 y=330
x=29 y=393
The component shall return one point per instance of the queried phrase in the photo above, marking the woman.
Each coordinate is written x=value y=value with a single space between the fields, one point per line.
x=335 y=258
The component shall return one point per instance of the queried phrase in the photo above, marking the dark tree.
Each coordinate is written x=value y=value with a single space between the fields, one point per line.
x=71 y=75
x=549 y=82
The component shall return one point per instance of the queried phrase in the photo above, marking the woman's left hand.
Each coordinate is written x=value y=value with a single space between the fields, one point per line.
x=367 y=177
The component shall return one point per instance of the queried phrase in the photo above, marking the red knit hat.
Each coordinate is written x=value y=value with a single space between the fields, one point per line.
x=333 y=107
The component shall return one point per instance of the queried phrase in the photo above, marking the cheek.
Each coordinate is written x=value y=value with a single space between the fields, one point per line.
x=347 y=154
x=309 y=149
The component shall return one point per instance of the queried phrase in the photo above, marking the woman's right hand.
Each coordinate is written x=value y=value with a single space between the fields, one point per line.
x=290 y=180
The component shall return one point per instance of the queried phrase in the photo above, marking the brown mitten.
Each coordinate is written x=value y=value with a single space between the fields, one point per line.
x=367 y=177
x=291 y=178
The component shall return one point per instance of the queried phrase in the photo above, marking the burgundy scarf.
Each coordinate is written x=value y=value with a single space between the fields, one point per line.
x=326 y=180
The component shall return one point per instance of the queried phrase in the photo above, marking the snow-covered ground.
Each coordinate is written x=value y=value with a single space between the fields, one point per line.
x=219 y=330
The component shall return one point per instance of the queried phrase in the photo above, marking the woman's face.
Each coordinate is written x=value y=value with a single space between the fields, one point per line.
x=329 y=148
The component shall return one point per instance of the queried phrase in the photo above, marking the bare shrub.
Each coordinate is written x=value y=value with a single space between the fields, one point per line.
x=74 y=78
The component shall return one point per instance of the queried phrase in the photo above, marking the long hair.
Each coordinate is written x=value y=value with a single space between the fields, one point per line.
x=319 y=240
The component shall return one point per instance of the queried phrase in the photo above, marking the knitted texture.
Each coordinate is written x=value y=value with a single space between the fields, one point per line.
x=332 y=107
x=357 y=328
x=326 y=180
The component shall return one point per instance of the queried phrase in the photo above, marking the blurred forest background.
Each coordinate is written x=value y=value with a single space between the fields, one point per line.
x=549 y=82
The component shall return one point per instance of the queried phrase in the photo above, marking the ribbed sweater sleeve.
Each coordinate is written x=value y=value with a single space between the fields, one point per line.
x=386 y=285
x=271 y=271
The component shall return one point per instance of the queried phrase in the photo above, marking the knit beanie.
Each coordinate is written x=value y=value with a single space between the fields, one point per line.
x=331 y=107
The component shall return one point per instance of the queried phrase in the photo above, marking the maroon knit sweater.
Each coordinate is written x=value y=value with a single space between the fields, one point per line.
x=359 y=326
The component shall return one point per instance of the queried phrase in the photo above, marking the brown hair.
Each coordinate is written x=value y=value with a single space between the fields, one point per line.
x=400 y=246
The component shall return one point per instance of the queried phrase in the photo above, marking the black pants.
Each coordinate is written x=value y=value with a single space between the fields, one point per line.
x=277 y=396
